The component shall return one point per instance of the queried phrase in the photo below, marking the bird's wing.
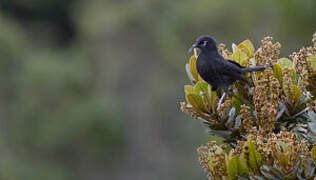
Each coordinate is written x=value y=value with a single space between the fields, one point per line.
x=236 y=63
x=231 y=70
x=230 y=66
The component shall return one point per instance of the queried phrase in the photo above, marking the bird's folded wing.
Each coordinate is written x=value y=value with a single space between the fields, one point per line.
x=236 y=63
x=231 y=68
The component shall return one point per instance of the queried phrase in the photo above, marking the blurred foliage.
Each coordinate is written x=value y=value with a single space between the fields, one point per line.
x=54 y=113
x=88 y=87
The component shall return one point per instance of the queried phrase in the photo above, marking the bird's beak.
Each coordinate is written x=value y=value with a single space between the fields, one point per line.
x=192 y=47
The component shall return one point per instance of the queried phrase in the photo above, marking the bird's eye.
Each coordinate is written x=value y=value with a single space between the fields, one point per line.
x=204 y=43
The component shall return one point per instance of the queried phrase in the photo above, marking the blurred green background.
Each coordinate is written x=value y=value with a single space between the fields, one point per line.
x=91 y=89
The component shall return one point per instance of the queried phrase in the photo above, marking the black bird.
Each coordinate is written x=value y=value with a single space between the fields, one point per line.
x=215 y=69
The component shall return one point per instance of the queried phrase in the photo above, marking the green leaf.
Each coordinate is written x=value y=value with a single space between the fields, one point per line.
x=296 y=93
x=244 y=170
x=211 y=93
x=233 y=167
x=285 y=62
x=188 y=71
x=254 y=157
x=213 y=97
x=277 y=72
x=247 y=47
x=218 y=150
x=242 y=90
x=236 y=103
x=313 y=153
x=196 y=101
x=313 y=60
x=237 y=167
x=201 y=87
x=188 y=89
x=240 y=57
x=234 y=47
x=193 y=69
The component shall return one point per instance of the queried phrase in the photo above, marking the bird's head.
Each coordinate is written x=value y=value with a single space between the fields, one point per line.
x=204 y=43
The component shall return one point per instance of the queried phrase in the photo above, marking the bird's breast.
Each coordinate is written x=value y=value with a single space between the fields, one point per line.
x=206 y=70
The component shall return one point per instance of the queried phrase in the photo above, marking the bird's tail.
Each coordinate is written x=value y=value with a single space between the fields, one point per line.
x=257 y=68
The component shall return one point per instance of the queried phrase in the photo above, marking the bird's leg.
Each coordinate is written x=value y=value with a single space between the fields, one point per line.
x=220 y=101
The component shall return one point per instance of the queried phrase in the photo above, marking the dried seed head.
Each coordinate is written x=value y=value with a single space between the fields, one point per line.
x=225 y=107
x=303 y=67
x=223 y=51
x=246 y=124
x=266 y=93
x=282 y=150
x=268 y=52
x=213 y=161
x=266 y=100
x=203 y=158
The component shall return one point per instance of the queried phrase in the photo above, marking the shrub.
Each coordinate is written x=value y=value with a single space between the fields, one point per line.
x=273 y=136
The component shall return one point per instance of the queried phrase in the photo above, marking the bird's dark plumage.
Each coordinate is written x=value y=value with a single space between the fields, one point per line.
x=215 y=69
